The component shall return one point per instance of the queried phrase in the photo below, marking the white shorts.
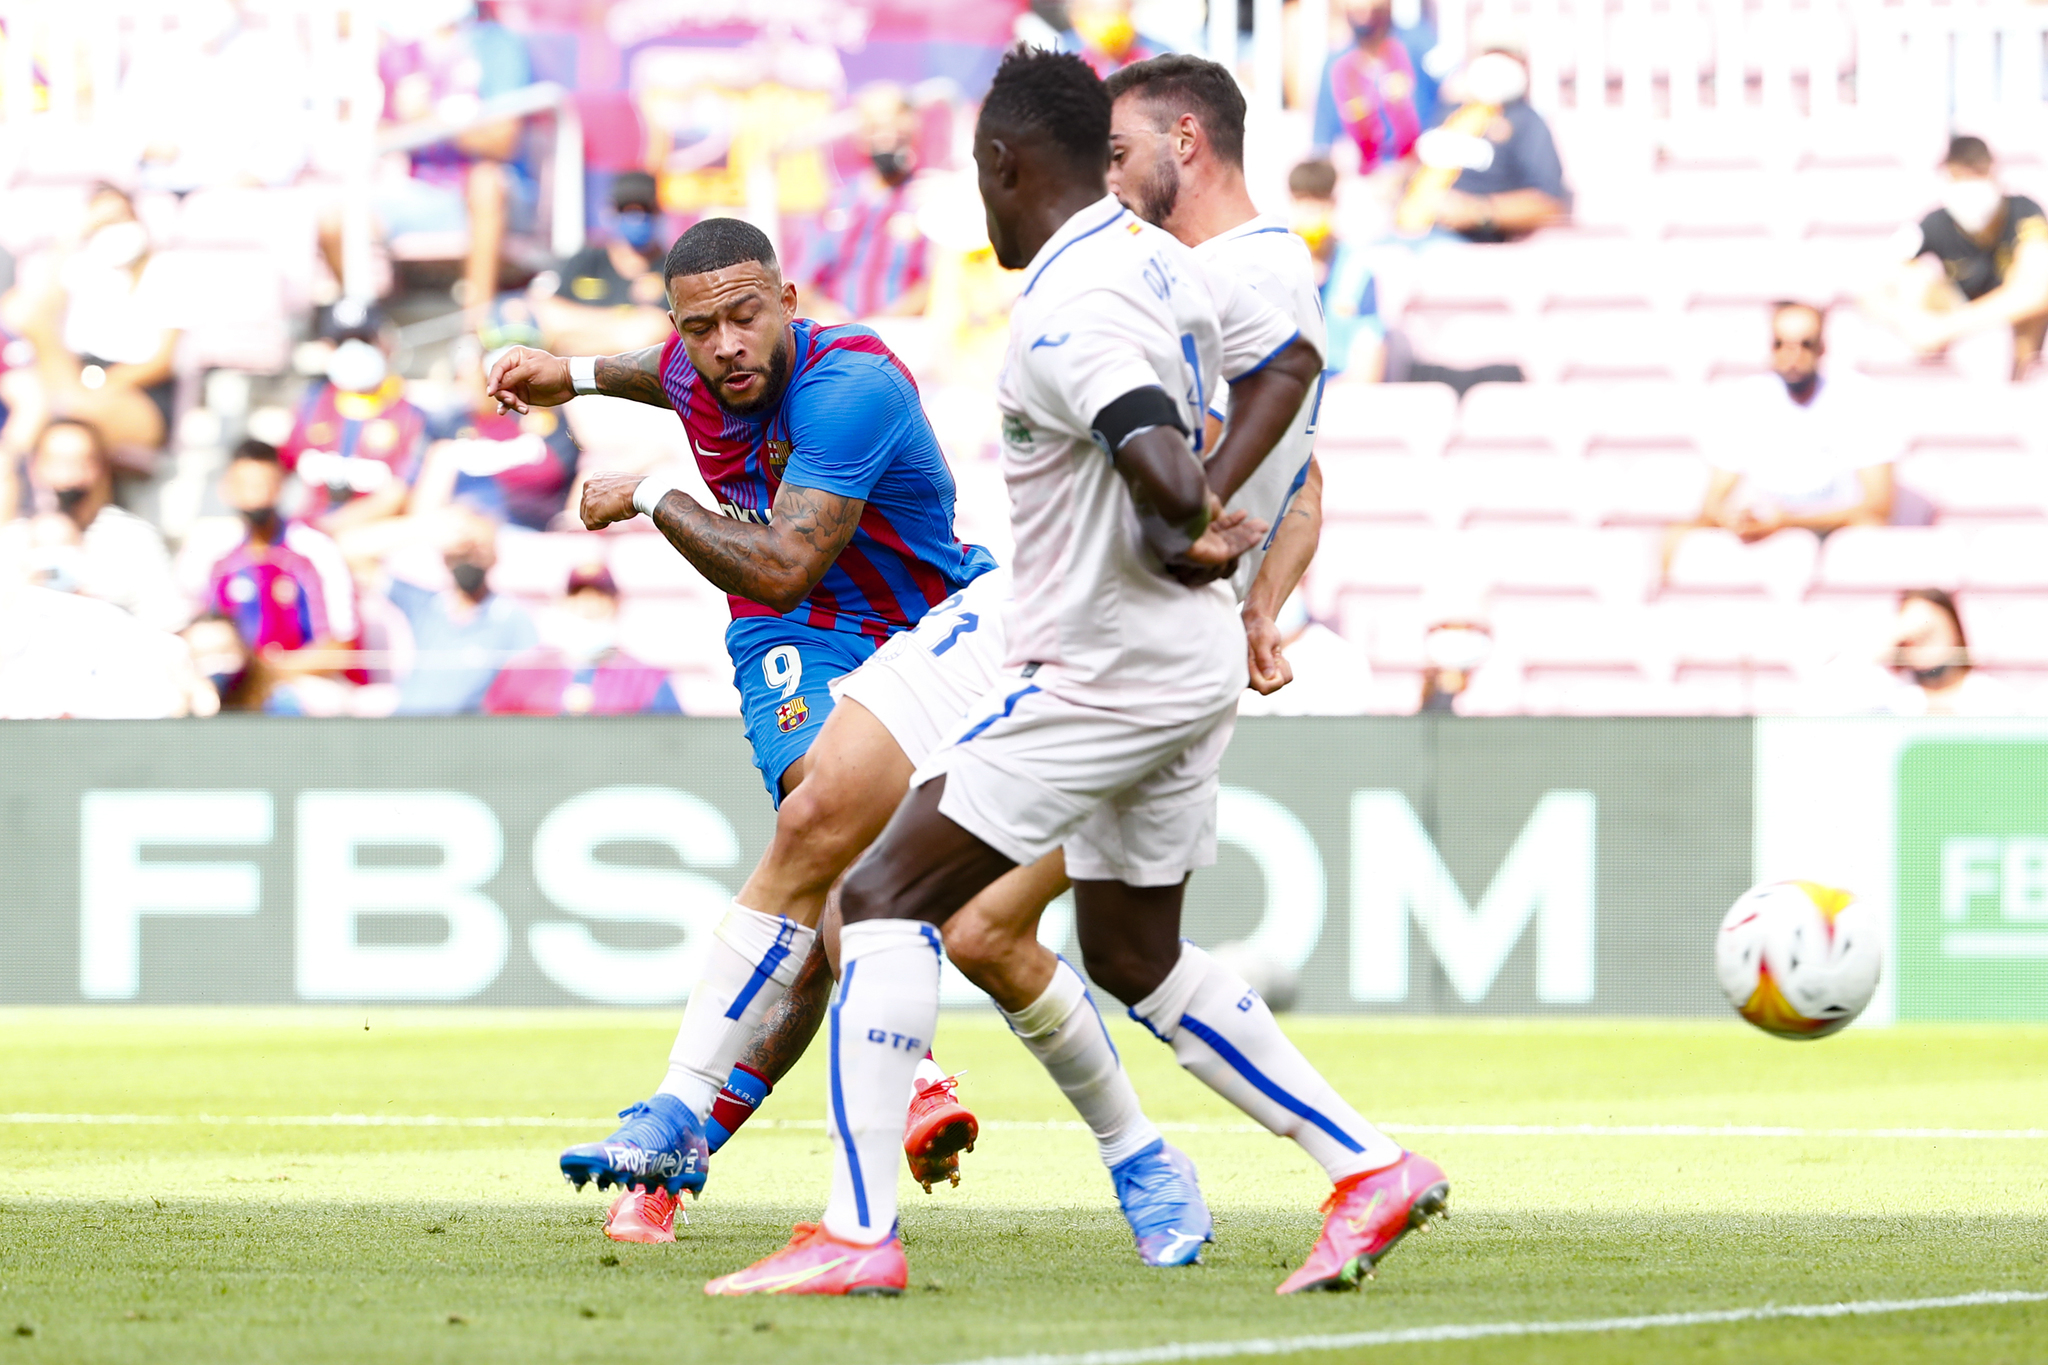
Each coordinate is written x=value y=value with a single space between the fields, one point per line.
x=920 y=684
x=1129 y=794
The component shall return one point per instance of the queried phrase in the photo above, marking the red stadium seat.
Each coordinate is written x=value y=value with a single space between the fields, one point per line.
x=1530 y=418
x=1709 y=561
x=1414 y=419
x=1971 y=485
x=1650 y=489
x=1519 y=488
x=2007 y=559
x=1614 y=567
x=1889 y=559
x=1381 y=488
x=2006 y=632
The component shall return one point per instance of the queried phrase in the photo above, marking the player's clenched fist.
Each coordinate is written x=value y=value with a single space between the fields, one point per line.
x=608 y=498
x=524 y=379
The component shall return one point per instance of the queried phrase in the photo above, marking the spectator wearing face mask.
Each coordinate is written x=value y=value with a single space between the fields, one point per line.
x=1992 y=248
x=1923 y=670
x=356 y=443
x=1490 y=172
x=580 y=669
x=285 y=587
x=1798 y=447
x=105 y=335
x=609 y=296
x=1369 y=91
x=869 y=258
x=462 y=634
x=110 y=553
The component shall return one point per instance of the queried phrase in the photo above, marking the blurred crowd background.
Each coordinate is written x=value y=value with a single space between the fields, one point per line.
x=1685 y=357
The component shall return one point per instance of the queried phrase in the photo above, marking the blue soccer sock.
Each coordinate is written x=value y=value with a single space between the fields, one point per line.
x=744 y=1091
x=1222 y=1032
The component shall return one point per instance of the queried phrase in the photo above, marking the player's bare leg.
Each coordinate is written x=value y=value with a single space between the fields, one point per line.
x=1222 y=1032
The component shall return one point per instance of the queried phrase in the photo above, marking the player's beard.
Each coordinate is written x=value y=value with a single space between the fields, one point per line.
x=773 y=381
x=1154 y=196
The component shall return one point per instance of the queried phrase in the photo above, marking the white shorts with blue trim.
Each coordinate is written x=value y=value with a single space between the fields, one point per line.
x=1130 y=794
x=920 y=684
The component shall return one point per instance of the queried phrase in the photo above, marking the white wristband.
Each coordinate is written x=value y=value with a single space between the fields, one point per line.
x=651 y=491
x=583 y=373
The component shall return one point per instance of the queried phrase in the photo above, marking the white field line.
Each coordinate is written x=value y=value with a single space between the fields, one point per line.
x=1002 y=1125
x=1346 y=1341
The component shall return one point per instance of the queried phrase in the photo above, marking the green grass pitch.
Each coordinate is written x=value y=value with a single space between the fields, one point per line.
x=200 y=1240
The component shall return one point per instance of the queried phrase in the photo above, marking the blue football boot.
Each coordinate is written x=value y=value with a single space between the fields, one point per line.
x=1163 y=1204
x=660 y=1143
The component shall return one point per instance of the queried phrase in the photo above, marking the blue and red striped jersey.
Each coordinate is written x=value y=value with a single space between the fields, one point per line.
x=849 y=422
x=869 y=251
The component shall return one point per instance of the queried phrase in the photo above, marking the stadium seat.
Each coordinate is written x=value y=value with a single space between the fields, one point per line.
x=1595 y=273
x=1612 y=566
x=1730 y=633
x=1650 y=489
x=1727 y=203
x=1570 y=633
x=2007 y=559
x=1858 y=201
x=1411 y=418
x=1888 y=559
x=1532 y=418
x=1728 y=340
x=1591 y=692
x=1970 y=485
x=1468 y=338
x=1378 y=561
x=1958 y=413
x=1607 y=343
x=1847 y=626
x=1390 y=630
x=1637 y=416
x=1716 y=562
x=1457 y=276
x=2006 y=632
x=538 y=565
x=644 y=562
x=1382 y=488
x=1518 y=488
x=1739 y=691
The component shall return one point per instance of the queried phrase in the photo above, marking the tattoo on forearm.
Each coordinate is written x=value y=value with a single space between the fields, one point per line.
x=777 y=564
x=635 y=375
x=794 y=1021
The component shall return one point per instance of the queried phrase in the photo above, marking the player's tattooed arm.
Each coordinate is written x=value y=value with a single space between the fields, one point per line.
x=635 y=375
x=777 y=564
x=525 y=379
x=1263 y=405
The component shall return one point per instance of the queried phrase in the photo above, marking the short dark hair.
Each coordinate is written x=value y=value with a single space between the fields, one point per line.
x=1969 y=153
x=718 y=244
x=1313 y=180
x=635 y=187
x=259 y=452
x=1055 y=96
x=1942 y=600
x=1190 y=85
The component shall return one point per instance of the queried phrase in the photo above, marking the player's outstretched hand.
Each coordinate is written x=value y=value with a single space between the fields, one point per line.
x=1214 y=554
x=1268 y=666
x=608 y=498
x=525 y=379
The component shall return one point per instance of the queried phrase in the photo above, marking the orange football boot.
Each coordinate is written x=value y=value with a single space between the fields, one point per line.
x=644 y=1214
x=939 y=1128
x=816 y=1262
x=1365 y=1216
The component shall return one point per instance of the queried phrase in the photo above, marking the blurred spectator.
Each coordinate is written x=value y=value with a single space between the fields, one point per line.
x=1798 y=448
x=1368 y=90
x=869 y=258
x=356 y=442
x=581 y=671
x=105 y=336
x=63 y=654
x=1924 y=670
x=1456 y=647
x=1102 y=32
x=1343 y=274
x=1992 y=249
x=471 y=184
x=464 y=633
x=512 y=468
x=609 y=297
x=97 y=549
x=285 y=586
x=240 y=679
x=1490 y=173
x=186 y=96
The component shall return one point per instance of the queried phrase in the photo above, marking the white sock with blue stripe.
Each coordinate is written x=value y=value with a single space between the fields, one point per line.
x=881 y=1021
x=1064 y=1031
x=1222 y=1032
x=748 y=967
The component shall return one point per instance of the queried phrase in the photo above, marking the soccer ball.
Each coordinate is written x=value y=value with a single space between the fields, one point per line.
x=1798 y=959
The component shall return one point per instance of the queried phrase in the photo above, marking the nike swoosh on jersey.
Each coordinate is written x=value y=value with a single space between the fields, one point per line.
x=1049 y=342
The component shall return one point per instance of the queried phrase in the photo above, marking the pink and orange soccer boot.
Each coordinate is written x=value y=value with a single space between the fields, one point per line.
x=644 y=1214
x=939 y=1128
x=1365 y=1216
x=816 y=1262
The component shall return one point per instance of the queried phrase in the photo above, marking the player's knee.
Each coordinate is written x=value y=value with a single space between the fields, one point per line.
x=810 y=833
x=1123 y=970
x=974 y=945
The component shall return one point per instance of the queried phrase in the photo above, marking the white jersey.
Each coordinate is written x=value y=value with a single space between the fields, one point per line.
x=1274 y=261
x=1111 y=305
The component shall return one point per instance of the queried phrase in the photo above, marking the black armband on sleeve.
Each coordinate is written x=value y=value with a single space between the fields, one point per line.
x=1139 y=410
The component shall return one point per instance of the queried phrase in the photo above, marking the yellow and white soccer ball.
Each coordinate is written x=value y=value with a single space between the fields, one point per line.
x=1798 y=959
